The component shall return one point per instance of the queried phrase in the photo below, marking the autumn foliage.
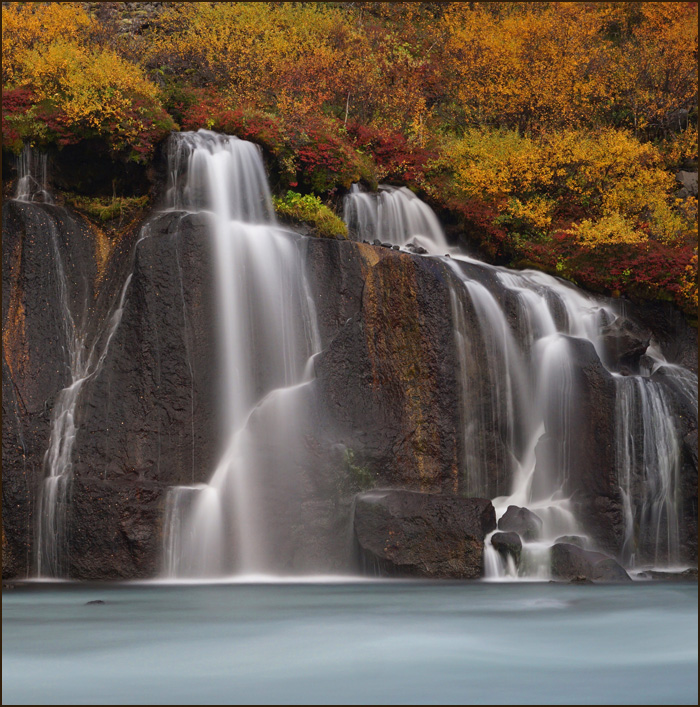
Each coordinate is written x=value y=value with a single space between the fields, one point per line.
x=550 y=131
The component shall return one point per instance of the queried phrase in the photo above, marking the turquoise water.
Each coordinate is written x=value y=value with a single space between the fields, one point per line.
x=339 y=643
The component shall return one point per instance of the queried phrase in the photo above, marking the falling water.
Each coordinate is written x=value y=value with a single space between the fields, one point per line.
x=514 y=332
x=648 y=464
x=32 y=176
x=394 y=215
x=266 y=336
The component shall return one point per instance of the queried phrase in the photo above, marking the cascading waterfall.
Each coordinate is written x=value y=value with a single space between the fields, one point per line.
x=85 y=358
x=266 y=337
x=514 y=332
x=648 y=463
x=32 y=176
x=396 y=215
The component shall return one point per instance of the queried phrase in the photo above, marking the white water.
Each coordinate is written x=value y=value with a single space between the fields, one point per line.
x=514 y=332
x=32 y=176
x=395 y=215
x=266 y=336
x=85 y=356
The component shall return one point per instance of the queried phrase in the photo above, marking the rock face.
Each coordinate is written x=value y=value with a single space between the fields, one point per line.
x=408 y=534
x=571 y=563
x=624 y=344
x=387 y=377
x=521 y=521
x=385 y=402
x=508 y=544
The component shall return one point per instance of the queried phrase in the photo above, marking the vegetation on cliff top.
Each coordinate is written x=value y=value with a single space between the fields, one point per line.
x=549 y=132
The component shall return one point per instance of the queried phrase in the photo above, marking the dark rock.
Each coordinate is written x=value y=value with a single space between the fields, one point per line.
x=376 y=242
x=577 y=540
x=408 y=534
x=521 y=521
x=570 y=563
x=387 y=381
x=94 y=601
x=386 y=245
x=507 y=544
x=624 y=343
x=689 y=575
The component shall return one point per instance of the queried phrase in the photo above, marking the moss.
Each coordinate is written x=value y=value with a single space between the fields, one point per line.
x=312 y=210
x=106 y=208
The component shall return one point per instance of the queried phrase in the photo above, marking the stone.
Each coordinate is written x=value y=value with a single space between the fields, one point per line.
x=688 y=181
x=624 y=343
x=507 y=544
x=521 y=521
x=577 y=540
x=570 y=563
x=411 y=534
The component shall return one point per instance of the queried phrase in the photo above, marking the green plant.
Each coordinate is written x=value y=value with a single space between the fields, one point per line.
x=312 y=210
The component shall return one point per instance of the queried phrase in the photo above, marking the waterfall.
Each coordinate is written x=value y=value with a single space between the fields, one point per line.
x=514 y=333
x=648 y=467
x=85 y=356
x=394 y=215
x=32 y=176
x=266 y=335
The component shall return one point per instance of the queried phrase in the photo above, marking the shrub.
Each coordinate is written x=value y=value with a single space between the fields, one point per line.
x=312 y=210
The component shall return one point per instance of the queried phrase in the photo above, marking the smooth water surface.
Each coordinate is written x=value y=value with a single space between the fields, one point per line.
x=339 y=643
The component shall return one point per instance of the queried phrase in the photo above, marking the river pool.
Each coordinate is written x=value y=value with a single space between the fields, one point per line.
x=340 y=642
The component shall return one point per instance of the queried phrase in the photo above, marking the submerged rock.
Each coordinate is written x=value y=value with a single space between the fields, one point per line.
x=508 y=544
x=572 y=563
x=410 y=534
x=521 y=521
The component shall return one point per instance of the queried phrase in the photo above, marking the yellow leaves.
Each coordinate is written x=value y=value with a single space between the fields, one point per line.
x=89 y=86
x=613 y=229
x=25 y=25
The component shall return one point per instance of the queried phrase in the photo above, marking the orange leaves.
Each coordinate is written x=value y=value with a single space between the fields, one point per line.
x=25 y=25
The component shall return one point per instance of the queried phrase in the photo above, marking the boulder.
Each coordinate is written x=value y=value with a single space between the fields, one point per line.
x=688 y=181
x=577 y=540
x=410 y=534
x=624 y=343
x=508 y=544
x=521 y=521
x=572 y=563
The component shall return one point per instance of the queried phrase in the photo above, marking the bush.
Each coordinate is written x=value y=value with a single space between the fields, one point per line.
x=312 y=210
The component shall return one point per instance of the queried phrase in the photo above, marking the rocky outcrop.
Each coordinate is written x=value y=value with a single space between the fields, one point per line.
x=624 y=343
x=508 y=544
x=521 y=521
x=408 y=534
x=571 y=563
x=387 y=377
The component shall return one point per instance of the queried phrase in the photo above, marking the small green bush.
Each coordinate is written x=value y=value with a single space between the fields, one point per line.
x=312 y=210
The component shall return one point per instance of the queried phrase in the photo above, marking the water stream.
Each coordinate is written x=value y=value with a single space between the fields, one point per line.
x=514 y=333
x=266 y=336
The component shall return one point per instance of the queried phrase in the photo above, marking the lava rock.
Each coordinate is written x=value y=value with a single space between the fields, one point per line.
x=521 y=521
x=570 y=562
x=624 y=343
x=411 y=534
x=508 y=544
x=577 y=540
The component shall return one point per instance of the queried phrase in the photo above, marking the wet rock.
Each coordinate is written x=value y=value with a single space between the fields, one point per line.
x=577 y=540
x=409 y=534
x=94 y=601
x=507 y=544
x=689 y=575
x=387 y=378
x=624 y=343
x=521 y=521
x=570 y=563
